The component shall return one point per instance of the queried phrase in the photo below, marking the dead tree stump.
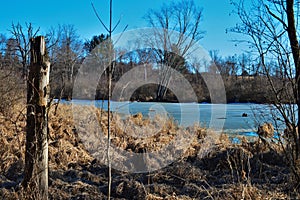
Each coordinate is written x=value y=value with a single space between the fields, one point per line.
x=36 y=155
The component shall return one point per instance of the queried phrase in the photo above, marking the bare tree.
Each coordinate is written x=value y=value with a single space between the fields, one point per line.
x=180 y=22
x=11 y=86
x=22 y=38
x=71 y=48
x=65 y=52
x=272 y=27
x=111 y=65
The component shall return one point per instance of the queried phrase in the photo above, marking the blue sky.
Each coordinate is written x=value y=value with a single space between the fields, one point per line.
x=44 y=14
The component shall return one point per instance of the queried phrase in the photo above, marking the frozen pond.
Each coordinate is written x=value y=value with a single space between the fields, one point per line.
x=240 y=119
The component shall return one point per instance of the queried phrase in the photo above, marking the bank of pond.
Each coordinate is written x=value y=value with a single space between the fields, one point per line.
x=236 y=119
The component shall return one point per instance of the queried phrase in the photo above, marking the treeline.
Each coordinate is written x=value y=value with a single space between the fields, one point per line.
x=242 y=75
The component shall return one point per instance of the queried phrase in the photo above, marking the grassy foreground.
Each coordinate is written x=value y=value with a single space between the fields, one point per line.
x=211 y=167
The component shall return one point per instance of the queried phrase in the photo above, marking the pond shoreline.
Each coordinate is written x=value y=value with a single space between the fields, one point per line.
x=230 y=118
x=176 y=101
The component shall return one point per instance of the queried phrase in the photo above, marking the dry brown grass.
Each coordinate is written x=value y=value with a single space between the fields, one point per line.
x=210 y=167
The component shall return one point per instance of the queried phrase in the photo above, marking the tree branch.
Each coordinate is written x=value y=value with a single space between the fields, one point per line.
x=96 y=13
x=276 y=17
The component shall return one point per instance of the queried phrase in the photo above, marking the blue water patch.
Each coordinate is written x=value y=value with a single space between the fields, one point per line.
x=235 y=140
x=248 y=134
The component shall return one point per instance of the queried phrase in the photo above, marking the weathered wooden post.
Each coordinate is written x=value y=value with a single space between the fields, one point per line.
x=36 y=155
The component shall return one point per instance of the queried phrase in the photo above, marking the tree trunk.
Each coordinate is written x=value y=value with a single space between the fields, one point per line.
x=294 y=43
x=36 y=155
